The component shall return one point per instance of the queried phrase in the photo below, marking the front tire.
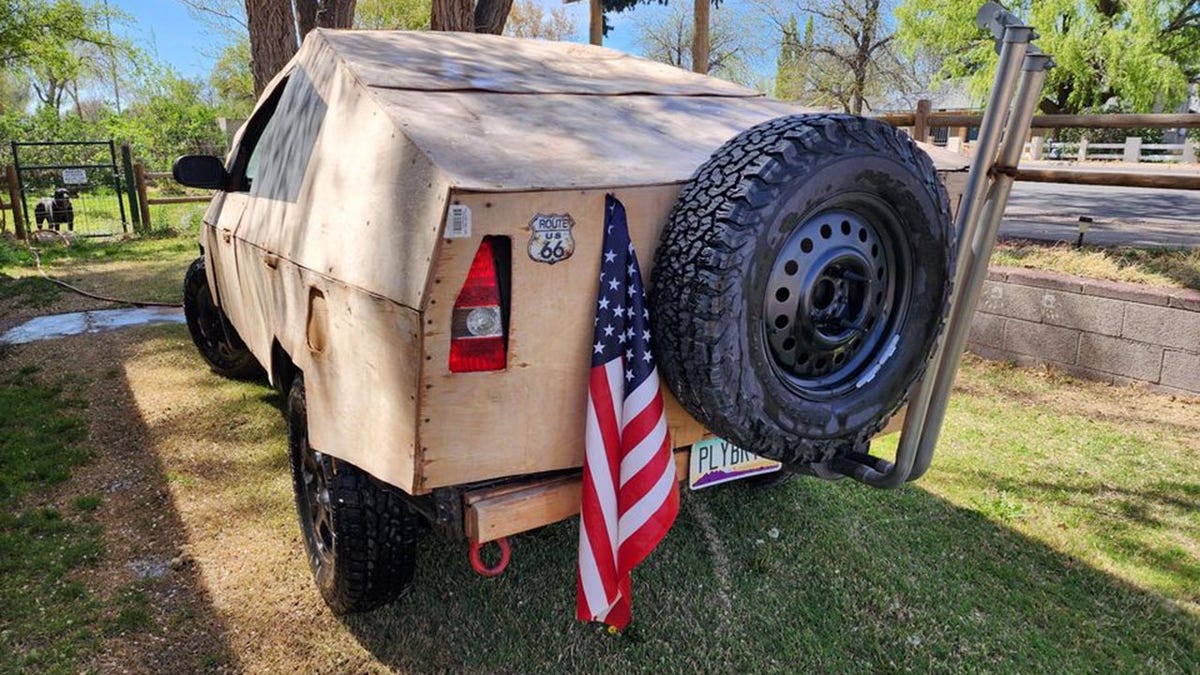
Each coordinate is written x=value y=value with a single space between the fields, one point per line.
x=216 y=338
x=360 y=535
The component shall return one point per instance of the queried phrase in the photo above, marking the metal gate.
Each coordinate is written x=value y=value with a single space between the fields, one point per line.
x=66 y=196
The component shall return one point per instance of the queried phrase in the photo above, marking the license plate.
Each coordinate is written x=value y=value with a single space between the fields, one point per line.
x=716 y=460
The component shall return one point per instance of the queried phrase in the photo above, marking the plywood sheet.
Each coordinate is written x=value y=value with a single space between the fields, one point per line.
x=443 y=61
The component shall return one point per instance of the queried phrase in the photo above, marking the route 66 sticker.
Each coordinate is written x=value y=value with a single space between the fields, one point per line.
x=551 y=240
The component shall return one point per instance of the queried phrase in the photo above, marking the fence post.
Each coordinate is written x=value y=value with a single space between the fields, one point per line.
x=921 y=120
x=1083 y=143
x=135 y=214
x=1133 y=149
x=14 y=199
x=139 y=173
x=1189 y=151
x=1036 y=145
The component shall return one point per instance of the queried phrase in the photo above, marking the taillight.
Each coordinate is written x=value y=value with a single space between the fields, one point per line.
x=479 y=327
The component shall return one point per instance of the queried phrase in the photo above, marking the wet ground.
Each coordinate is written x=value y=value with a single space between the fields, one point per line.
x=94 y=321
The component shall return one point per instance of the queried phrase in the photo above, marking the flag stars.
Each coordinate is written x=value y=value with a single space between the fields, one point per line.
x=646 y=356
x=646 y=335
x=608 y=330
x=598 y=347
x=614 y=285
x=603 y=303
x=619 y=311
x=609 y=256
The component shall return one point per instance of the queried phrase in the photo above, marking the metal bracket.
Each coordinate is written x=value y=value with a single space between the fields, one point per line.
x=1002 y=131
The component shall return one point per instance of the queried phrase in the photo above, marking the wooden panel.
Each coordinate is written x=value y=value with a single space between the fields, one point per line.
x=530 y=417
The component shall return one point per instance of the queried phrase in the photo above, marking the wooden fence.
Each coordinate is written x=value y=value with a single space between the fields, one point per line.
x=923 y=119
x=141 y=179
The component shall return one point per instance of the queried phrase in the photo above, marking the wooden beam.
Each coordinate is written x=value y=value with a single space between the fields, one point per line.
x=1113 y=178
x=139 y=175
x=1115 y=121
x=190 y=199
x=595 y=22
x=14 y=199
x=920 y=125
x=701 y=39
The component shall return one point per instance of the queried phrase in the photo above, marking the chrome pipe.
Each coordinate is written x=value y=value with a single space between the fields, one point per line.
x=1013 y=46
x=975 y=263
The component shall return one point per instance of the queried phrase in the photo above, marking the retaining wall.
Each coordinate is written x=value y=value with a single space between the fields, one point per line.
x=1103 y=330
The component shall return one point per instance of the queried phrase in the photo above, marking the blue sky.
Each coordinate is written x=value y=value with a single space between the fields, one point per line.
x=166 y=29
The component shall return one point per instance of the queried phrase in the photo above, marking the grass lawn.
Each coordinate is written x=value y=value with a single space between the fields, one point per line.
x=141 y=269
x=1178 y=268
x=147 y=525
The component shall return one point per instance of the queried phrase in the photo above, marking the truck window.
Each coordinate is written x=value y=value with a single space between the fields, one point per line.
x=246 y=160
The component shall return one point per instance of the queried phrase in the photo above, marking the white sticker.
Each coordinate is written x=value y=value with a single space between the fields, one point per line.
x=458 y=222
x=74 y=176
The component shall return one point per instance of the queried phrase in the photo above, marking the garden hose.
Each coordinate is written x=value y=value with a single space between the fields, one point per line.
x=95 y=296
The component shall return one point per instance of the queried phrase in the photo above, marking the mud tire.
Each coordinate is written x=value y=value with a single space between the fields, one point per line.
x=720 y=253
x=362 y=549
x=216 y=338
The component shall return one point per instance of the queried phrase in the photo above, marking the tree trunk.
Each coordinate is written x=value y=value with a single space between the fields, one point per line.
x=453 y=15
x=306 y=15
x=272 y=39
x=491 y=15
x=336 y=14
x=700 y=37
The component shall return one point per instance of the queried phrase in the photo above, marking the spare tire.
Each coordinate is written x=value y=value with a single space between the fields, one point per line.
x=801 y=283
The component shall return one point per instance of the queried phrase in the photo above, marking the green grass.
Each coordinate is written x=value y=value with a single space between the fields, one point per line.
x=1051 y=536
x=1179 y=268
x=1058 y=531
x=47 y=615
x=149 y=268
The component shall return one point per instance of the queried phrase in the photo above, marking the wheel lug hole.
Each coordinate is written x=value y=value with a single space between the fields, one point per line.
x=782 y=294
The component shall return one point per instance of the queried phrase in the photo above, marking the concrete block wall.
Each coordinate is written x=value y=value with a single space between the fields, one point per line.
x=1103 y=330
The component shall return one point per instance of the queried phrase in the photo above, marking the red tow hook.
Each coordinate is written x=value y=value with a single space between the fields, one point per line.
x=484 y=570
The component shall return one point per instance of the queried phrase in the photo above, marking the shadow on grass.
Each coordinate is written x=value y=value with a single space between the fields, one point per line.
x=809 y=577
x=147 y=614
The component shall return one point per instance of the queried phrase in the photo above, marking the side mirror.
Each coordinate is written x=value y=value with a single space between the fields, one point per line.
x=200 y=171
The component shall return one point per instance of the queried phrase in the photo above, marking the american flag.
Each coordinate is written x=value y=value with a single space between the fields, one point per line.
x=630 y=495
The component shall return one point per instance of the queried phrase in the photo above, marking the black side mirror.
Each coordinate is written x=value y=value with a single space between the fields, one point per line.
x=200 y=171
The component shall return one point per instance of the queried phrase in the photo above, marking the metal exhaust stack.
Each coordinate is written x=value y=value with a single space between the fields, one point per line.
x=984 y=199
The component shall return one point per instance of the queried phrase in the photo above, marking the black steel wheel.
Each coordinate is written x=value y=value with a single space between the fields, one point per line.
x=360 y=536
x=216 y=338
x=801 y=284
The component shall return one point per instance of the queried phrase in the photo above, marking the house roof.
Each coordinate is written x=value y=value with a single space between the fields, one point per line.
x=500 y=113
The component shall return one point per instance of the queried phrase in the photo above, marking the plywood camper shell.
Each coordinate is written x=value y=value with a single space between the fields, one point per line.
x=337 y=255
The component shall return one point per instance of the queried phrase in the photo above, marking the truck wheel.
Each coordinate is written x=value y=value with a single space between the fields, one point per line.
x=801 y=284
x=215 y=337
x=359 y=534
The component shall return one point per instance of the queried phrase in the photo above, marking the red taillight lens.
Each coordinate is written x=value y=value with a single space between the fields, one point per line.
x=478 y=334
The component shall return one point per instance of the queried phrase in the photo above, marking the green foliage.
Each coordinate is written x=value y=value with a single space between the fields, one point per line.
x=232 y=81
x=28 y=27
x=392 y=14
x=1137 y=55
x=792 y=67
x=169 y=118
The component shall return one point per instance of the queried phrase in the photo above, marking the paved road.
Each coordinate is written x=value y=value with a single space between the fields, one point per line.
x=1123 y=216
